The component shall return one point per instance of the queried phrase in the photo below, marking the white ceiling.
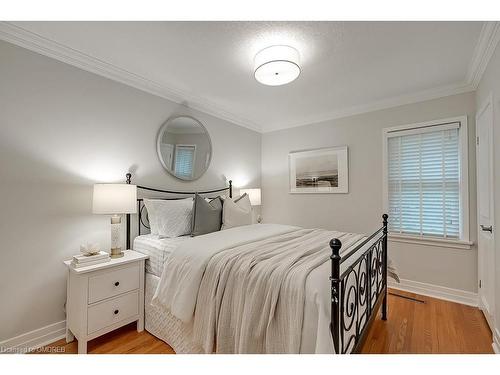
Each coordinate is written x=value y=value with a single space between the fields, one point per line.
x=347 y=67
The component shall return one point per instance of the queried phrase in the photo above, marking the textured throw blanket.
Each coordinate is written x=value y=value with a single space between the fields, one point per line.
x=183 y=271
x=251 y=297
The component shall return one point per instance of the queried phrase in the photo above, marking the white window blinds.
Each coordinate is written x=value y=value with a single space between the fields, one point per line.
x=184 y=161
x=424 y=181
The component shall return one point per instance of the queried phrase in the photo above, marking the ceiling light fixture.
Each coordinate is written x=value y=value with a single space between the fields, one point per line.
x=277 y=65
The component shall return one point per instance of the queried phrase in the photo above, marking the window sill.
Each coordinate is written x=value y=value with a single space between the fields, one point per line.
x=455 y=244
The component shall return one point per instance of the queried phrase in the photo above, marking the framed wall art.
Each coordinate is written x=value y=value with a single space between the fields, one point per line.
x=323 y=170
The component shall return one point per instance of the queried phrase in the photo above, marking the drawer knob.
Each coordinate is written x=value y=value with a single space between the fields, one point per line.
x=117 y=283
x=116 y=311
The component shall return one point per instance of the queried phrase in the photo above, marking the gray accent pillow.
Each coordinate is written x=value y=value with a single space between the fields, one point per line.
x=207 y=216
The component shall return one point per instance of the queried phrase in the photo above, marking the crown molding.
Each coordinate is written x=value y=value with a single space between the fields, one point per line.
x=393 y=102
x=487 y=42
x=24 y=38
x=483 y=51
x=485 y=46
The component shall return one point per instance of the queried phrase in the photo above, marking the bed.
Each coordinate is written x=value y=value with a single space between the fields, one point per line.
x=158 y=249
x=199 y=301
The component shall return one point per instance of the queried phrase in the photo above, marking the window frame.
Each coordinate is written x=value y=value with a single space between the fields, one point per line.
x=185 y=146
x=464 y=239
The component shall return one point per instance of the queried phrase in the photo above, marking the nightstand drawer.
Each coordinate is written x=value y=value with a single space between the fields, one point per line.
x=110 y=312
x=112 y=283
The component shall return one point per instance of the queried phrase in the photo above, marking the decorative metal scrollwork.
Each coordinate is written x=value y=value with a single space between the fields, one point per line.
x=361 y=285
x=359 y=290
x=143 y=218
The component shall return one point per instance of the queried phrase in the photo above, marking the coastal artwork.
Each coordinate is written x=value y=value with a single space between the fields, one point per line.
x=319 y=171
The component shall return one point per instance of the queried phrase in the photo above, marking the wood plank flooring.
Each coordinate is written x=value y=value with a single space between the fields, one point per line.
x=430 y=326
x=125 y=340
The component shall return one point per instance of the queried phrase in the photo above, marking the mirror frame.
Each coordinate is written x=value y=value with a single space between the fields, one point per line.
x=158 y=138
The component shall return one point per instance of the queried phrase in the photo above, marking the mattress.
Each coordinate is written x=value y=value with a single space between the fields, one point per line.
x=158 y=250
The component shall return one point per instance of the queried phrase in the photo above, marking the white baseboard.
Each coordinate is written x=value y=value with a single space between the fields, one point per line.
x=436 y=291
x=35 y=339
x=496 y=342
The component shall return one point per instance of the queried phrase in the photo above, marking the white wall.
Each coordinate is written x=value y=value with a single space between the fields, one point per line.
x=361 y=209
x=490 y=83
x=61 y=130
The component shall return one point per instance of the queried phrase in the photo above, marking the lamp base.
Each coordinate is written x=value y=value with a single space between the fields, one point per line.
x=116 y=253
x=116 y=250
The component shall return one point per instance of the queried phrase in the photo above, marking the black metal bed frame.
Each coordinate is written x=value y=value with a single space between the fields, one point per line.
x=140 y=202
x=356 y=294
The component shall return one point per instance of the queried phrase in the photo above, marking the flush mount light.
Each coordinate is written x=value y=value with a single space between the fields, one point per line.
x=277 y=65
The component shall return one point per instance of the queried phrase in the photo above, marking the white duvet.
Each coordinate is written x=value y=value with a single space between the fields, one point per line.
x=183 y=272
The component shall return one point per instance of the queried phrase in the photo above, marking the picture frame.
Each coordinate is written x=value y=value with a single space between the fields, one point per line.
x=319 y=171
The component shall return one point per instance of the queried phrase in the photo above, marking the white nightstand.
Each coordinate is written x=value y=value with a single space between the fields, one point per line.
x=104 y=297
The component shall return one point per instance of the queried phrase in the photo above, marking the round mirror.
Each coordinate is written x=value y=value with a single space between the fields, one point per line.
x=184 y=147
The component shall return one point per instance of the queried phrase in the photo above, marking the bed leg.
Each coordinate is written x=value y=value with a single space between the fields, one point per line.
x=335 y=245
x=384 y=265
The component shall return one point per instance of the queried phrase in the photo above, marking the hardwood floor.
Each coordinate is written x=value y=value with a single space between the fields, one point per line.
x=125 y=340
x=430 y=326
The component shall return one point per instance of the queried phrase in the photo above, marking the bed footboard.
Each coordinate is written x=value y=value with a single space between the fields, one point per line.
x=358 y=292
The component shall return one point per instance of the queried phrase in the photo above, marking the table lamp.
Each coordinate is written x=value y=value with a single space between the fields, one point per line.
x=115 y=200
x=255 y=198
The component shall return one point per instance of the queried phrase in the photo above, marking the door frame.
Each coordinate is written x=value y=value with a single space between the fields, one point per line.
x=488 y=102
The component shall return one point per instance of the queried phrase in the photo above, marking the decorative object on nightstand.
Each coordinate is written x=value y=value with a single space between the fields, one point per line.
x=103 y=297
x=88 y=259
x=255 y=198
x=90 y=249
x=115 y=199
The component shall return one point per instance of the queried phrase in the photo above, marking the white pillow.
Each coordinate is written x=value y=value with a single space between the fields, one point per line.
x=237 y=212
x=170 y=218
x=150 y=208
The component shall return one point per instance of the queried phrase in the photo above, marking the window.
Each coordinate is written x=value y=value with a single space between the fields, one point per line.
x=426 y=193
x=184 y=160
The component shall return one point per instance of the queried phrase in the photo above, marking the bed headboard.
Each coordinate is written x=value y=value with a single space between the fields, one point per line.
x=142 y=218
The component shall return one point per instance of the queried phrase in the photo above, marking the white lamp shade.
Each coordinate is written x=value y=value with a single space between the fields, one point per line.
x=254 y=195
x=277 y=65
x=114 y=199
